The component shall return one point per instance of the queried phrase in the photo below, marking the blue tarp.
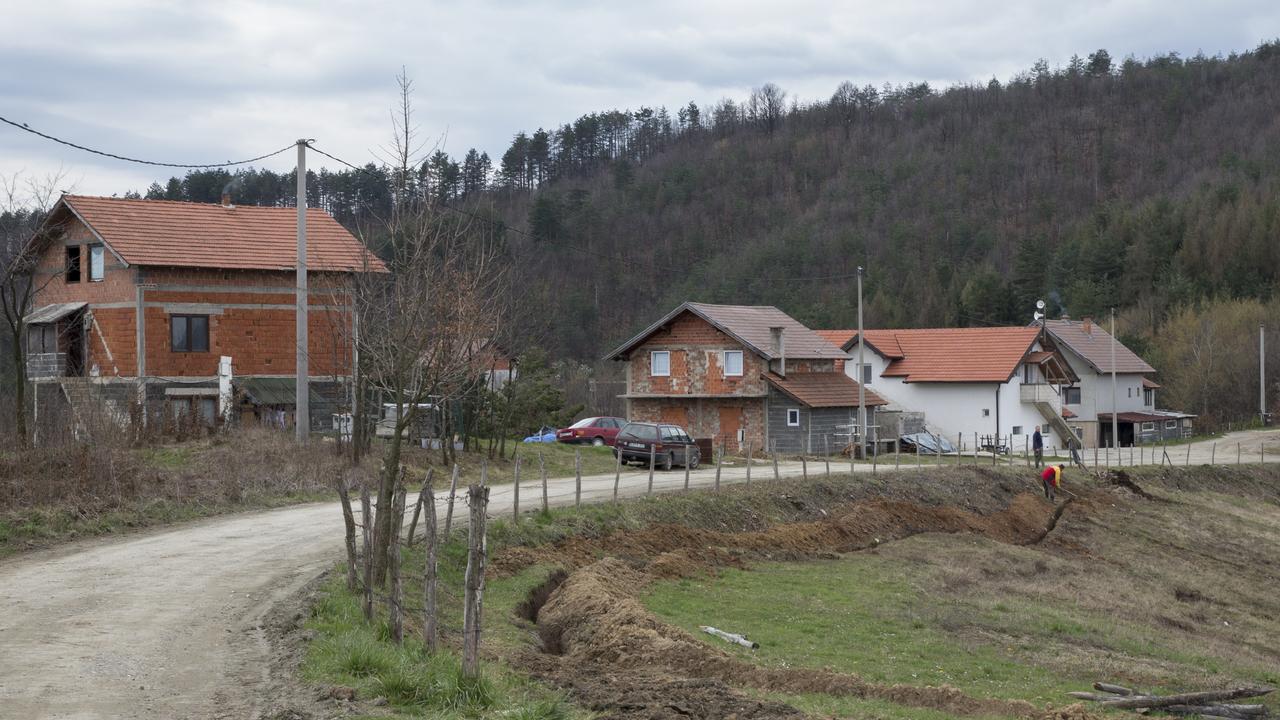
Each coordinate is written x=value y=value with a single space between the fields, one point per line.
x=929 y=444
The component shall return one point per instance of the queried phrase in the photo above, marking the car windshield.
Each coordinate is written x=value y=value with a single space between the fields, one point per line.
x=584 y=422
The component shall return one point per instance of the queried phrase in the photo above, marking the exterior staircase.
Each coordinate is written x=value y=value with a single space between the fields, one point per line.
x=90 y=407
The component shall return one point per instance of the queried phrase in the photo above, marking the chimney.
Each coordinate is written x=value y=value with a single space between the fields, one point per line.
x=1087 y=325
x=226 y=198
x=780 y=348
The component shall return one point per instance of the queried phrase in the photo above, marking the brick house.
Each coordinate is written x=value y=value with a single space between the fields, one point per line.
x=742 y=375
x=139 y=299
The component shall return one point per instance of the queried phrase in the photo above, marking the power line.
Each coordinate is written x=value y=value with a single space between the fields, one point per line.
x=68 y=143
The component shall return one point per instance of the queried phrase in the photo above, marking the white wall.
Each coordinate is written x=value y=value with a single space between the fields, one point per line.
x=1095 y=390
x=954 y=408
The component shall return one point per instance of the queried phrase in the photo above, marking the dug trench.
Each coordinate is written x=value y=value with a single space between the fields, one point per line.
x=600 y=644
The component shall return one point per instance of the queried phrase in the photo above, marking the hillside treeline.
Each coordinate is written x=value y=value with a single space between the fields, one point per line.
x=1145 y=185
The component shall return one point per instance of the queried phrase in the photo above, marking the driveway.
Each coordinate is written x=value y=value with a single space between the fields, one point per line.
x=169 y=624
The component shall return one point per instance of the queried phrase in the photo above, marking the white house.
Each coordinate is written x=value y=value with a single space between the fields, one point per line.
x=1089 y=403
x=998 y=382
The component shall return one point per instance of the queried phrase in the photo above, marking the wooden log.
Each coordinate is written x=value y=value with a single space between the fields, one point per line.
x=1219 y=711
x=1095 y=697
x=1115 y=689
x=431 y=612
x=453 y=494
x=349 y=523
x=473 y=595
x=1195 y=698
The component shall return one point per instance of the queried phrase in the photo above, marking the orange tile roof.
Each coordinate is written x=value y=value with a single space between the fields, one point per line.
x=823 y=389
x=239 y=237
x=984 y=354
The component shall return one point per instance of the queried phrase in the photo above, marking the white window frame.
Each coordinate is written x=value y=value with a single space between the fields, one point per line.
x=793 y=417
x=865 y=374
x=97 y=262
x=653 y=365
x=1170 y=424
x=1017 y=430
x=1148 y=427
x=724 y=363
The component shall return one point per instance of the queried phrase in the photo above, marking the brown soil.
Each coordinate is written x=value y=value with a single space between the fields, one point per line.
x=616 y=658
x=679 y=551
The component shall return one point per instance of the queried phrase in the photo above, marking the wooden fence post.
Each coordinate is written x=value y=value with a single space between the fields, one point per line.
x=687 y=449
x=417 y=507
x=804 y=467
x=975 y=448
x=431 y=619
x=1188 y=460
x=1213 y=454
x=719 y=461
x=1026 y=449
x=473 y=595
x=366 y=515
x=1237 y=453
x=959 y=447
x=617 y=472
x=349 y=521
x=542 y=468
x=515 y=488
x=453 y=494
x=748 y=457
x=651 y=461
x=396 y=599
x=577 y=477
x=776 y=476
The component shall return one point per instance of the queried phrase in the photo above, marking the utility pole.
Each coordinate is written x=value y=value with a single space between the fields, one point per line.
x=1115 y=422
x=862 y=394
x=1262 y=372
x=302 y=414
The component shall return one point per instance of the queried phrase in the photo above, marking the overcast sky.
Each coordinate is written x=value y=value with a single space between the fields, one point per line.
x=222 y=80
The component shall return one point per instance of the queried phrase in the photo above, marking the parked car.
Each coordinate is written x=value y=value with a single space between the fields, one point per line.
x=593 y=430
x=545 y=434
x=670 y=445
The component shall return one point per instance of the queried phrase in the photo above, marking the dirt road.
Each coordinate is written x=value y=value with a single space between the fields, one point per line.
x=170 y=624
x=1247 y=446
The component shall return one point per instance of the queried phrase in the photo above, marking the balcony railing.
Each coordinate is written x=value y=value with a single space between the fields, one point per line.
x=46 y=365
x=1039 y=393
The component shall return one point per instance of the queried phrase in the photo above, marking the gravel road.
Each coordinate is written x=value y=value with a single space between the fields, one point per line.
x=169 y=624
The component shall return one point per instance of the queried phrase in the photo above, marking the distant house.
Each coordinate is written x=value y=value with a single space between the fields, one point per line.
x=742 y=375
x=138 y=300
x=997 y=383
x=1088 y=348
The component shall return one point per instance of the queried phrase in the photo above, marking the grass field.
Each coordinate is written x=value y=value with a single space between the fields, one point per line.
x=557 y=457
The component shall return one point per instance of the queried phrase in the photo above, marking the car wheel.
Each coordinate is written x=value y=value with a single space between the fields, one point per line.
x=668 y=461
x=598 y=442
x=693 y=461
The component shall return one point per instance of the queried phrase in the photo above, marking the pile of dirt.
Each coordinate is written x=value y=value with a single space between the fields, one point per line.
x=594 y=620
x=668 y=550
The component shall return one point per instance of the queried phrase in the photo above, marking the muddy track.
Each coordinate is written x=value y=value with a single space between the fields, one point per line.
x=615 y=657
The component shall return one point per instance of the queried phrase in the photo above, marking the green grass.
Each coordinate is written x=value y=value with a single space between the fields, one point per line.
x=557 y=457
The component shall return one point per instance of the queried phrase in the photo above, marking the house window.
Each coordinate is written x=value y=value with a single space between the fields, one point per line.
x=1148 y=427
x=865 y=374
x=986 y=412
x=660 y=363
x=97 y=265
x=1147 y=397
x=793 y=417
x=42 y=338
x=189 y=333
x=1170 y=424
x=1071 y=395
x=733 y=362
x=73 y=264
x=1130 y=391
x=1079 y=433
x=1017 y=429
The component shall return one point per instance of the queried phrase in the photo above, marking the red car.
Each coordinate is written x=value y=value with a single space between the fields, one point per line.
x=592 y=430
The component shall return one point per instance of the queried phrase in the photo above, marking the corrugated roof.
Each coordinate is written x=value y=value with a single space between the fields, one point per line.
x=52 y=313
x=751 y=325
x=827 y=389
x=239 y=237
x=273 y=391
x=989 y=354
x=1095 y=346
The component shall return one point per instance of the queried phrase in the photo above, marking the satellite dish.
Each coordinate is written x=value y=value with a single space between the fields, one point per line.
x=1038 y=316
x=1039 y=304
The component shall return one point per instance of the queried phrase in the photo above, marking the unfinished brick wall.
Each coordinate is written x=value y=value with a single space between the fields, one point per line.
x=696 y=349
x=251 y=316
x=716 y=418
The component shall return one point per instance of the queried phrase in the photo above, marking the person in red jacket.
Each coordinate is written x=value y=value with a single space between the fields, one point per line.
x=1052 y=480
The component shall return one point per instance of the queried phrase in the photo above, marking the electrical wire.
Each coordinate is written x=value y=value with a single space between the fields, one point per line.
x=68 y=143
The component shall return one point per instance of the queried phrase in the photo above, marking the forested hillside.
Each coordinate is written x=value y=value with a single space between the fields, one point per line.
x=1147 y=185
